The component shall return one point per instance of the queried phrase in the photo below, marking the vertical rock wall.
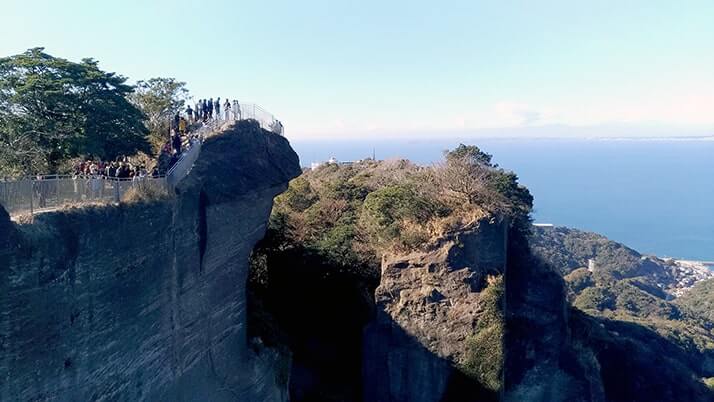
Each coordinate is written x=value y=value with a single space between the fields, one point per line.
x=428 y=305
x=146 y=301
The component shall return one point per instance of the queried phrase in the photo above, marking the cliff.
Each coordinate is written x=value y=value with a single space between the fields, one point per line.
x=146 y=301
x=426 y=341
x=437 y=337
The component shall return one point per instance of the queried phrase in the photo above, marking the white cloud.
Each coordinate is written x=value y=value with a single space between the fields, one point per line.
x=518 y=114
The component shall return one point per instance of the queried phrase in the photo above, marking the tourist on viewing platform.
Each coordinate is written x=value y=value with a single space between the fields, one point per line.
x=189 y=113
x=210 y=109
x=122 y=171
x=199 y=108
x=173 y=160
x=182 y=126
x=205 y=110
x=177 y=118
x=217 y=106
x=276 y=127
x=111 y=169
x=176 y=142
x=227 y=108
x=236 y=110
x=140 y=172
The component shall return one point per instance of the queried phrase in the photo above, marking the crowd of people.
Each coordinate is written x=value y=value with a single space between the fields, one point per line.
x=209 y=109
x=181 y=141
x=181 y=138
x=121 y=168
x=94 y=178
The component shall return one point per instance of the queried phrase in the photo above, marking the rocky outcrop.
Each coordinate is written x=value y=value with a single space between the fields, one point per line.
x=540 y=364
x=428 y=306
x=146 y=301
x=555 y=352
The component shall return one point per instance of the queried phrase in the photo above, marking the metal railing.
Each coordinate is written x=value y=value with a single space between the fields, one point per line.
x=31 y=195
x=181 y=168
x=251 y=111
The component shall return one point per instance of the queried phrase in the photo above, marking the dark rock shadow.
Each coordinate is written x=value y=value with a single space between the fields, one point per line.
x=399 y=368
x=325 y=315
x=557 y=353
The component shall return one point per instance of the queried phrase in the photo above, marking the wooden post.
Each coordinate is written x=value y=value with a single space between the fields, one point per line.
x=116 y=191
x=32 y=197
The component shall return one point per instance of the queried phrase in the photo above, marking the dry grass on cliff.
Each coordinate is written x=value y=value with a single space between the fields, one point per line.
x=142 y=192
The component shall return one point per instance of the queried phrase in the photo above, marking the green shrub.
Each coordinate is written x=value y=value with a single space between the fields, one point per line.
x=484 y=350
x=386 y=211
x=336 y=245
x=595 y=298
x=578 y=280
x=299 y=195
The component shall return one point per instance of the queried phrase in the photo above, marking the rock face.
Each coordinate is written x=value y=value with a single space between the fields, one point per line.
x=540 y=364
x=146 y=301
x=428 y=304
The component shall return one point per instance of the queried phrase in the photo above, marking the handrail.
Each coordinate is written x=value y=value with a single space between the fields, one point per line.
x=184 y=164
x=32 y=194
x=46 y=177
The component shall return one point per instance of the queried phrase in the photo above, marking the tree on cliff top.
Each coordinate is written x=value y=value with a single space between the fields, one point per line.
x=468 y=176
x=52 y=110
x=160 y=99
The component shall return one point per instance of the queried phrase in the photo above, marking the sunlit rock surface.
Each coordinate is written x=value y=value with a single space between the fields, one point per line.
x=428 y=305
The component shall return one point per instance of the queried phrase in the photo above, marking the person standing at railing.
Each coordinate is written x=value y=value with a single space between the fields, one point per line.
x=122 y=171
x=227 y=108
x=189 y=113
x=199 y=110
x=236 y=110
x=210 y=109
x=177 y=118
x=111 y=170
x=176 y=142
x=217 y=106
x=39 y=191
x=182 y=126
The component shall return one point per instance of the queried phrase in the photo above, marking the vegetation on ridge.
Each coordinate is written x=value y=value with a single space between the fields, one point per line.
x=326 y=237
x=699 y=300
x=352 y=214
x=53 y=110
x=159 y=99
x=630 y=288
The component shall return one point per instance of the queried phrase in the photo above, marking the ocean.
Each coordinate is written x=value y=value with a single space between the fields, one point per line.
x=655 y=196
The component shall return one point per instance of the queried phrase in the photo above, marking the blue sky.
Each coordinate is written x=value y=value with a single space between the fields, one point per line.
x=404 y=68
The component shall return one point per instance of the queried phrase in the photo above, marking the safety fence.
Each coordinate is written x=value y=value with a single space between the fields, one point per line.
x=266 y=120
x=36 y=194
x=33 y=195
x=181 y=168
x=250 y=111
